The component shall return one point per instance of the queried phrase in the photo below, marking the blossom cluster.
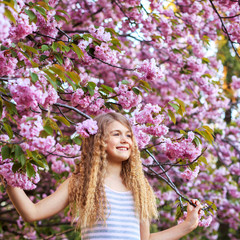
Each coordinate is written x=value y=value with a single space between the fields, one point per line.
x=87 y=128
x=204 y=221
x=184 y=149
x=19 y=179
x=149 y=71
x=126 y=97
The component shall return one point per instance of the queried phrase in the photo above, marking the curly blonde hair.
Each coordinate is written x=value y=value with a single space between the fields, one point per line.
x=87 y=199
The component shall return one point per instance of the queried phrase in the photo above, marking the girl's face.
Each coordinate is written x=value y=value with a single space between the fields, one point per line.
x=119 y=143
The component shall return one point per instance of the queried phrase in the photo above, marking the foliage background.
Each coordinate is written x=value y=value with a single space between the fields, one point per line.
x=171 y=66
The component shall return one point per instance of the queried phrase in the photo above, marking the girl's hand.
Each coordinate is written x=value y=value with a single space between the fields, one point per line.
x=193 y=214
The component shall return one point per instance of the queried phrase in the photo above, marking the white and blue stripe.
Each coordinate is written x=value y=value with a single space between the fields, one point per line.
x=122 y=222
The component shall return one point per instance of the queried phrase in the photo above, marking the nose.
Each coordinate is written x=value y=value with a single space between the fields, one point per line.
x=123 y=139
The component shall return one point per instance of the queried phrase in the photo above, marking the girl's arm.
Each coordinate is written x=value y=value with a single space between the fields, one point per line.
x=178 y=231
x=45 y=208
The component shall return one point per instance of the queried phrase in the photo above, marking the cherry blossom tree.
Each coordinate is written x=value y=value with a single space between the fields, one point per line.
x=64 y=62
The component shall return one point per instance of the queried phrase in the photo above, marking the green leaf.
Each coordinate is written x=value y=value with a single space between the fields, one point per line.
x=34 y=77
x=92 y=84
x=208 y=137
x=109 y=89
x=172 y=116
x=136 y=90
x=32 y=16
x=1 y=107
x=59 y=57
x=179 y=111
x=87 y=36
x=74 y=76
x=16 y=166
x=202 y=159
x=41 y=10
x=144 y=84
x=34 y=64
x=59 y=71
x=18 y=151
x=60 y=18
x=183 y=132
x=22 y=160
x=48 y=129
x=208 y=129
x=64 y=12
x=11 y=108
x=179 y=212
x=77 y=50
x=77 y=140
x=125 y=82
x=51 y=78
x=10 y=3
x=38 y=162
x=9 y=15
x=54 y=46
x=90 y=90
x=175 y=50
x=111 y=30
x=175 y=106
x=116 y=42
x=19 y=155
x=205 y=60
x=63 y=120
x=44 y=48
x=196 y=140
x=8 y=130
x=5 y=152
x=181 y=103
x=207 y=75
x=43 y=57
x=30 y=170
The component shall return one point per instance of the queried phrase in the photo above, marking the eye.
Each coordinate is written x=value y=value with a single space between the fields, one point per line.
x=115 y=134
x=129 y=135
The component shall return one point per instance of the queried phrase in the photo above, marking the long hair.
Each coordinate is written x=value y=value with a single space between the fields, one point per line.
x=87 y=198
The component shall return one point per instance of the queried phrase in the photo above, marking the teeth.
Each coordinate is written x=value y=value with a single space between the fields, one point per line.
x=122 y=148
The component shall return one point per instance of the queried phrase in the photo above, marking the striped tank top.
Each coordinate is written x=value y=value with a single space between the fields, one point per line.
x=122 y=222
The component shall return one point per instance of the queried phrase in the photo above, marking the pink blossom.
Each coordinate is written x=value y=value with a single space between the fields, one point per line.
x=4 y=24
x=148 y=71
x=158 y=131
x=147 y=161
x=27 y=95
x=19 y=179
x=235 y=169
x=52 y=96
x=77 y=96
x=205 y=222
x=44 y=145
x=190 y=175
x=7 y=64
x=105 y=53
x=141 y=137
x=149 y=114
x=126 y=97
x=31 y=127
x=23 y=28
x=49 y=26
x=183 y=149
x=100 y=33
x=87 y=128
x=235 y=82
x=59 y=167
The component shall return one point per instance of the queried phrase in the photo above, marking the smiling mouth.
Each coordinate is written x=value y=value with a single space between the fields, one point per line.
x=122 y=148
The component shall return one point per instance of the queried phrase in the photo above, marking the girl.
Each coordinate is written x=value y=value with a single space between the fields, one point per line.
x=108 y=194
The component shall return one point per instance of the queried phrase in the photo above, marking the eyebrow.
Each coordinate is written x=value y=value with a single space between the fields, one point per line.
x=117 y=130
